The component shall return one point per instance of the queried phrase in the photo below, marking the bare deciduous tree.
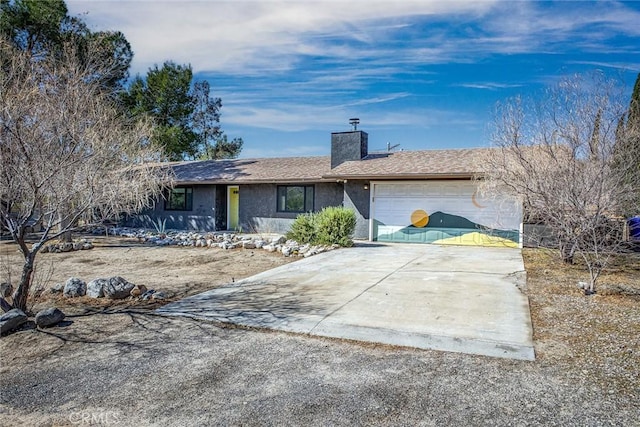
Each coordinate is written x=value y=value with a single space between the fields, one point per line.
x=564 y=154
x=66 y=155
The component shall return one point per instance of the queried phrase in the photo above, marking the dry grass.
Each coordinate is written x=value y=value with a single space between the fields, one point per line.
x=596 y=337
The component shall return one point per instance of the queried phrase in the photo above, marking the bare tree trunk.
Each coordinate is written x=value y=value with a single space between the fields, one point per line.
x=66 y=237
x=21 y=295
x=4 y=305
x=64 y=224
x=567 y=251
x=594 y=272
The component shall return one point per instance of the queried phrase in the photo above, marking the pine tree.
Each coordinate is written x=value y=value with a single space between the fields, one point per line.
x=633 y=122
x=633 y=134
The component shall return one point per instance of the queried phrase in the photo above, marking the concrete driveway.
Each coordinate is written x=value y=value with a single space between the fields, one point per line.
x=451 y=298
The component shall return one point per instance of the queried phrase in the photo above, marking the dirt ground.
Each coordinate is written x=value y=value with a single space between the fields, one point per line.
x=122 y=365
x=177 y=271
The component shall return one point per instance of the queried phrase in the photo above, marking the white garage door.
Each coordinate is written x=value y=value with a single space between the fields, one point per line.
x=443 y=212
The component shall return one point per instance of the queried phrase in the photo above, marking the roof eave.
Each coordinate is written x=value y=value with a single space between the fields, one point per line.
x=405 y=176
x=251 y=181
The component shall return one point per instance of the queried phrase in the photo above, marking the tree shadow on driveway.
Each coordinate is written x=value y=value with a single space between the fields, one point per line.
x=257 y=304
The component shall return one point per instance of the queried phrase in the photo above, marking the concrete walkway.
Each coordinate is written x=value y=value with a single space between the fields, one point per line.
x=452 y=298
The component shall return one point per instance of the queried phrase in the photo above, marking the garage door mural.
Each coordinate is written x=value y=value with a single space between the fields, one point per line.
x=443 y=212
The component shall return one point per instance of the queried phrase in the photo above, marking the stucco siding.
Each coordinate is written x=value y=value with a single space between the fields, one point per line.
x=259 y=210
x=357 y=198
x=201 y=217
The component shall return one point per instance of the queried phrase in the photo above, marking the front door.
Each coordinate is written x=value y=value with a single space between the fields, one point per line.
x=233 y=207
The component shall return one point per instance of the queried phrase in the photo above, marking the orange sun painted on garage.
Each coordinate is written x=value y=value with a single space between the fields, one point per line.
x=474 y=200
x=419 y=218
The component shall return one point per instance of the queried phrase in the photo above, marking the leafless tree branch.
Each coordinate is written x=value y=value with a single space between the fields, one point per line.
x=566 y=155
x=67 y=156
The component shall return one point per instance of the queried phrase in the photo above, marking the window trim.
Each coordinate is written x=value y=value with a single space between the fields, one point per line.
x=188 y=199
x=305 y=188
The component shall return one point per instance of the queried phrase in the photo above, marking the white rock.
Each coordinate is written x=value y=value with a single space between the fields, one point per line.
x=118 y=288
x=278 y=240
x=74 y=287
x=95 y=288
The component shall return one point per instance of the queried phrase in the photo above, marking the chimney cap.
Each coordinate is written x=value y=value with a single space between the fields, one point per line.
x=354 y=122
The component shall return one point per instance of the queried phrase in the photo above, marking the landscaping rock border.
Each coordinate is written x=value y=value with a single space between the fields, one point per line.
x=80 y=245
x=114 y=287
x=221 y=240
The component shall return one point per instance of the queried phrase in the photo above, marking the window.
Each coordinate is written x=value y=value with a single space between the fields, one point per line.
x=295 y=198
x=179 y=199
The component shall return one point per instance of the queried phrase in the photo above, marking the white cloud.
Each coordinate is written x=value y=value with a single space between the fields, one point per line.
x=296 y=117
x=257 y=37
x=633 y=66
x=283 y=117
x=532 y=28
x=489 y=85
x=291 y=151
x=245 y=37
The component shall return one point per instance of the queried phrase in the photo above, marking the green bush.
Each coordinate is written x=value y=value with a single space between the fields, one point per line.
x=303 y=229
x=332 y=225
x=335 y=225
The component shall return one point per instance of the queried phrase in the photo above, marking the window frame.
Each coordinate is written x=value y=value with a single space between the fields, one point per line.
x=188 y=199
x=305 y=201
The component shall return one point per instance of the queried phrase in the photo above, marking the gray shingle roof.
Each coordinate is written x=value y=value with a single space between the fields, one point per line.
x=282 y=169
x=414 y=164
x=403 y=164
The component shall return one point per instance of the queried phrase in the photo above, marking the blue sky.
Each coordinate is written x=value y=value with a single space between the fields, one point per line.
x=422 y=74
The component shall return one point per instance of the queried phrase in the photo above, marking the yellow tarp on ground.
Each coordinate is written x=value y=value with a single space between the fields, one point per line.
x=478 y=239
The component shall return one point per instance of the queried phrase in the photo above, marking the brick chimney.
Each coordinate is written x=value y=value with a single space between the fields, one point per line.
x=347 y=146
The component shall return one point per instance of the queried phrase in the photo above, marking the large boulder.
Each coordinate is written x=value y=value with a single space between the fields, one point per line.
x=74 y=287
x=49 y=317
x=118 y=288
x=95 y=288
x=11 y=320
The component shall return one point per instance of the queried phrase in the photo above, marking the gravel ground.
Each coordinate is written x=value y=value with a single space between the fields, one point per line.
x=138 y=369
x=147 y=370
x=176 y=372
